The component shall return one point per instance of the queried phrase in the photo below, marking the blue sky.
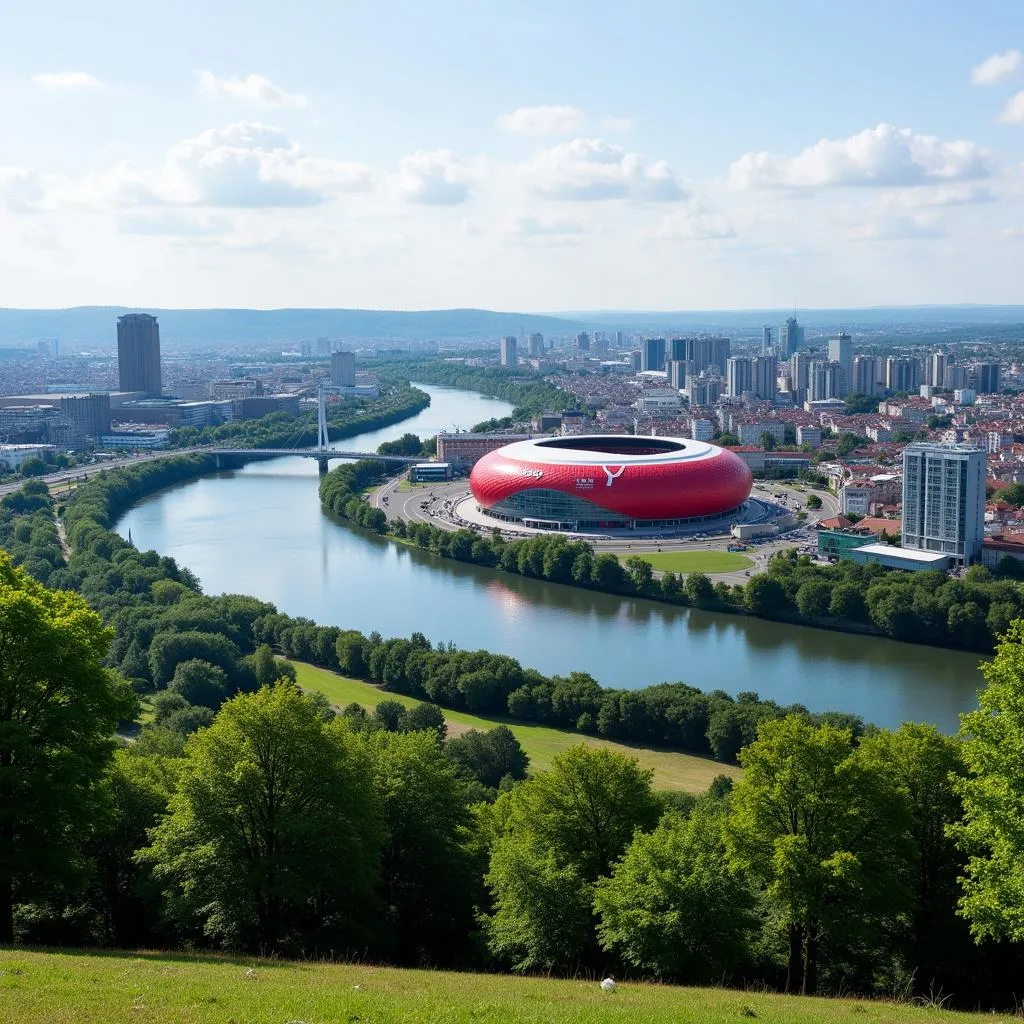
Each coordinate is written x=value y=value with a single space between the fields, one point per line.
x=526 y=156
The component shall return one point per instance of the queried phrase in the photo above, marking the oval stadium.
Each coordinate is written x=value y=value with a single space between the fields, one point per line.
x=602 y=481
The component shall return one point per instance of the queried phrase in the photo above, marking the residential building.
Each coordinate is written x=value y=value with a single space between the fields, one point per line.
x=808 y=435
x=986 y=377
x=88 y=415
x=840 y=350
x=583 y=341
x=652 y=354
x=766 y=340
x=676 y=350
x=764 y=377
x=343 y=369
x=901 y=374
x=699 y=429
x=703 y=390
x=956 y=378
x=935 y=372
x=463 y=449
x=536 y=348
x=508 y=350
x=705 y=351
x=823 y=380
x=678 y=370
x=750 y=432
x=739 y=375
x=138 y=353
x=944 y=499
x=865 y=375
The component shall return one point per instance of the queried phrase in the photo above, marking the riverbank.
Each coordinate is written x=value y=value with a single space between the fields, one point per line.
x=673 y=770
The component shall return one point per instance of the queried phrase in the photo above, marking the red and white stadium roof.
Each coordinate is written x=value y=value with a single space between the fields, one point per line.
x=636 y=476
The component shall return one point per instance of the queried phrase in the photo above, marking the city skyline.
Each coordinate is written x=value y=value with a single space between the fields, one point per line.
x=287 y=170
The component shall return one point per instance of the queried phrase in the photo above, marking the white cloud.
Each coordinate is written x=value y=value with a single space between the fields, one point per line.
x=546 y=120
x=1014 y=234
x=254 y=90
x=67 y=81
x=616 y=124
x=952 y=195
x=897 y=228
x=438 y=178
x=882 y=156
x=1013 y=112
x=21 y=189
x=172 y=222
x=996 y=68
x=695 y=223
x=525 y=227
x=594 y=170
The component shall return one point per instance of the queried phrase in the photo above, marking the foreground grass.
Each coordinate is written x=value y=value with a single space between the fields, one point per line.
x=75 y=988
x=672 y=770
x=697 y=561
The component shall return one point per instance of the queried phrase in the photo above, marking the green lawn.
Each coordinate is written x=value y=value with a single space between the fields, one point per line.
x=697 y=561
x=672 y=770
x=160 y=988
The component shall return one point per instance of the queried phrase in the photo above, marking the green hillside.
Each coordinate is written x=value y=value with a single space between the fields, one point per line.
x=97 y=988
x=672 y=770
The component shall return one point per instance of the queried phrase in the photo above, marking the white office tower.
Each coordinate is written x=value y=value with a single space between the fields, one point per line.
x=935 y=372
x=944 y=499
x=765 y=377
x=739 y=375
x=840 y=350
x=865 y=375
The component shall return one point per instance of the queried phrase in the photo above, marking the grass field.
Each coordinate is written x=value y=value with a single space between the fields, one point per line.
x=672 y=770
x=697 y=561
x=98 y=988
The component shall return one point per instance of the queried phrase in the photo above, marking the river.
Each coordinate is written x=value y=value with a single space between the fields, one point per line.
x=260 y=531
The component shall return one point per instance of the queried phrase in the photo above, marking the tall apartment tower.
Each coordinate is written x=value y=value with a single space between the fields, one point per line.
x=138 y=353
x=766 y=339
x=944 y=499
x=791 y=338
x=987 y=378
x=901 y=374
x=536 y=345
x=935 y=372
x=583 y=341
x=840 y=350
x=509 y=355
x=823 y=380
x=765 y=377
x=652 y=354
x=865 y=375
x=739 y=375
x=343 y=369
x=676 y=350
x=956 y=378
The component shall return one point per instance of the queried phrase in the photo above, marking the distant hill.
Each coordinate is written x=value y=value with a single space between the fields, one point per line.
x=91 y=325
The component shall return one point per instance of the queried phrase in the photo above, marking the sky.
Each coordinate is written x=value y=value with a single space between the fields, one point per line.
x=535 y=156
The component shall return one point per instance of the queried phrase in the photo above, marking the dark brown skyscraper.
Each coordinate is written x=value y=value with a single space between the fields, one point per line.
x=138 y=353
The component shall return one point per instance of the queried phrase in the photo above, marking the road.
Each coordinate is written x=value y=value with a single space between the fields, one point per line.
x=433 y=503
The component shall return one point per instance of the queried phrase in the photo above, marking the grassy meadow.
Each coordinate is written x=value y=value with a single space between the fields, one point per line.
x=672 y=770
x=697 y=561
x=108 y=988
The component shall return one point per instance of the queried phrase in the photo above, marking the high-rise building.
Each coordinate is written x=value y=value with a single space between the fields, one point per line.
x=508 y=350
x=138 y=353
x=703 y=390
x=901 y=374
x=49 y=348
x=823 y=380
x=620 y=339
x=986 y=378
x=766 y=339
x=676 y=349
x=739 y=375
x=323 y=348
x=765 y=377
x=583 y=341
x=536 y=346
x=89 y=415
x=707 y=351
x=653 y=354
x=791 y=338
x=678 y=370
x=935 y=369
x=840 y=350
x=343 y=369
x=944 y=499
x=865 y=375
x=956 y=378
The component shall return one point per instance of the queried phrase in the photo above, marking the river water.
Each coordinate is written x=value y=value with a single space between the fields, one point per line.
x=260 y=531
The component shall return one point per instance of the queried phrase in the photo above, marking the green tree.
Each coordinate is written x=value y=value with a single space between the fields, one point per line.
x=993 y=796
x=390 y=715
x=814 y=501
x=826 y=835
x=700 y=590
x=58 y=711
x=489 y=756
x=672 y=907
x=273 y=836
x=563 y=829
x=764 y=596
x=426 y=886
x=847 y=602
x=264 y=665
x=813 y=599
x=640 y=572
x=767 y=440
x=425 y=717
x=199 y=682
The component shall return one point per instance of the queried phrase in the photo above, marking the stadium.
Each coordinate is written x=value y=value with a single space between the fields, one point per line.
x=610 y=481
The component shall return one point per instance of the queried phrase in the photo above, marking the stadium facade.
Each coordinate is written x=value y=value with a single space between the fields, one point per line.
x=610 y=481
